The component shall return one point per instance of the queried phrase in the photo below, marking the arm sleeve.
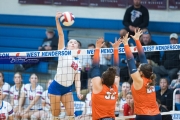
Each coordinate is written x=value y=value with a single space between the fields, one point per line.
x=141 y=54
x=39 y=91
x=95 y=71
x=126 y=18
x=130 y=60
x=126 y=109
x=10 y=110
x=145 y=22
x=116 y=61
x=6 y=88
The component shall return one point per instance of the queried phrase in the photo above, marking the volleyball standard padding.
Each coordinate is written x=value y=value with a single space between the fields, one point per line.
x=67 y=19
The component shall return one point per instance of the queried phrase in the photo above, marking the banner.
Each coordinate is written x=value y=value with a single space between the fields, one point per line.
x=174 y=4
x=71 y=2
x=35 y=1
x=108 y=3
x=152 y=4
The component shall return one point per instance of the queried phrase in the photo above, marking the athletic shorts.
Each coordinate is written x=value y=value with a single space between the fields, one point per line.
x=148 y=117
x=57 y=89
x=106 y=118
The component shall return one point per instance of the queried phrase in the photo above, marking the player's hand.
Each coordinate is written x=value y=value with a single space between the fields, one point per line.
x=99 y=43
x=58 y=15
x=79 y=96
x=125 y=39
x=138 y=33
x=117 y=43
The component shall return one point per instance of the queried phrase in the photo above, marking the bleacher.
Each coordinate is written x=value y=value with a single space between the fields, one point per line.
x=25 y=33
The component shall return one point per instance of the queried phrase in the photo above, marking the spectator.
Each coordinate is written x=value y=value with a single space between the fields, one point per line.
x=129 y=106
x=49 y=43
x=105 y=59
x=170 y=62
x=15 y=92
x=136 y=16
x=122 y=98
x=152 y=57
x=165 y=95
x=86 y=65
x=164 y=109
x=5 y=87
x=175 y=83
x=31 y=95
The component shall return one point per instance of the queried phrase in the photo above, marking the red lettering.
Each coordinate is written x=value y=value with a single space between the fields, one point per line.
x=74 y=65
x=2 y=116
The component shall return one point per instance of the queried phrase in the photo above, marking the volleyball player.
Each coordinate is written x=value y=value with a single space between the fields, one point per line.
x=105 y=88
x=143 y=90
x=15 y=91
x=68 y=71
x=31 y=94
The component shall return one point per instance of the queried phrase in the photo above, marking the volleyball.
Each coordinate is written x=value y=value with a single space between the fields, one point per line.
x=67 y=19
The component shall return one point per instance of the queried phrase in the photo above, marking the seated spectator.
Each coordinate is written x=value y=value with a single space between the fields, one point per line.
x=5 y=87
x=175 y=83
x=15 y=92
x=152 y=57
x=170 y=62
x=136 y=16
x=45 y=112
x=86 y=66
x=129 y=106
x=163 y=109
x=6 y=111
x=165 y=95
x=32 y=96
x=122 y=98
x=49 y=43
x=105 y=59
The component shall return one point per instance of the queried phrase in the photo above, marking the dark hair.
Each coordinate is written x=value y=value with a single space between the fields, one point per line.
x=147 y=71
x=89 y=45
x=107 y=44
x=2 y=75
x=79 y=44
x=20 y=85
x=108 y=76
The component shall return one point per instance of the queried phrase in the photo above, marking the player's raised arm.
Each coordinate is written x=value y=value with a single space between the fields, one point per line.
x=131 y=62
x=141 y=53
x=116 y=60
x=60 y=31
x=95 y=72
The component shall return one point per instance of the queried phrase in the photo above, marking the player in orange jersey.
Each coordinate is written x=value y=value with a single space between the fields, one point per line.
x=143 y=90
x=105 y=88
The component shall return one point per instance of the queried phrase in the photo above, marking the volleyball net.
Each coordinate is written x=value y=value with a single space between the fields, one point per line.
x=8 y=61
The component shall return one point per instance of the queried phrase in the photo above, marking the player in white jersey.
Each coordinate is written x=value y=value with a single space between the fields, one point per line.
x=5 y=88
x=68 y=71
x=6 y=110
x=15 y=91
x=32 y=95
x=88 y=107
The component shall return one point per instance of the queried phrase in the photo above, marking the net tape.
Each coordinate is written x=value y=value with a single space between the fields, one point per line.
x=57 y=53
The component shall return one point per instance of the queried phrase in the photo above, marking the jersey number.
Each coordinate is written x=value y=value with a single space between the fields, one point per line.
x=2 y=116
x=110 y=96
x=30 y=97
x=74 y=65
x=15 y=97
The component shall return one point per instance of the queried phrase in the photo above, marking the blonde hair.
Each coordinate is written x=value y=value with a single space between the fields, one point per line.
x=120 y=96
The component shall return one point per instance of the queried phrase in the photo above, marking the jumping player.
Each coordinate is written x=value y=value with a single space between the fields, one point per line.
x=143 y=90
x=68 y=71
x=105 y=88
x=15 y=91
